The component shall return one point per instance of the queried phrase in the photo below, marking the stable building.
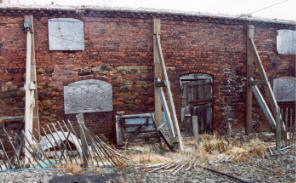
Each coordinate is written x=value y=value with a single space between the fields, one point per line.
x=101 y=62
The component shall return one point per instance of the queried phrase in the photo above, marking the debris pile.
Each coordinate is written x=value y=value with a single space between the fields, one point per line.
x=59 y=146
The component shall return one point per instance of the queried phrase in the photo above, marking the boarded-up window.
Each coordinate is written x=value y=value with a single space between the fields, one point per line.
x=65 y=34
x=285 y=89
x=286 y=41
x=88 y=96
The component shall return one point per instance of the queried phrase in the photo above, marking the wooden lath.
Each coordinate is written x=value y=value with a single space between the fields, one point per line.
x=271 y=112
x=55 y=148
x=161 y=81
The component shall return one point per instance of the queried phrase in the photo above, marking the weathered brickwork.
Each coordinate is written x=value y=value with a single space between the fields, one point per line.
x=119 y=50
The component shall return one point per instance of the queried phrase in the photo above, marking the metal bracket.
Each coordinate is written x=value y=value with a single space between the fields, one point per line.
x=256 y=82
x=160 y=83
x=27 y=26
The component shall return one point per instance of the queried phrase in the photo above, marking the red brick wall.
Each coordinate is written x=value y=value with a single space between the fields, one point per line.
x=119 y=50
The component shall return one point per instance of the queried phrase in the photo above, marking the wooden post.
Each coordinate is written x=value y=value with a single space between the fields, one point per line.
x=270 y=97
x=169 y=93
x=250 y=71
x=195 y=130
x=84 y=144
x=36 y=123
x=31 y=101
x=265 y=78
x=31 y=79
x=157 y=73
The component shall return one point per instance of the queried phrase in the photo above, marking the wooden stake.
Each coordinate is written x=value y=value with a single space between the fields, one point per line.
x=85 y=153
x=195 y=130
x=278 y=130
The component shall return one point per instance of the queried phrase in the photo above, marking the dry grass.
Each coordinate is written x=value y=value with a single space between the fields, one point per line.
x=150 y=158
x=146 y=154
x=73 y=168
x=236 y=150
x=213 y=144
x=253 y=149
x=210 y=147
x=256 y=148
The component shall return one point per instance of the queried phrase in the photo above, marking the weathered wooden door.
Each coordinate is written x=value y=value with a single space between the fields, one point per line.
x=196 y=99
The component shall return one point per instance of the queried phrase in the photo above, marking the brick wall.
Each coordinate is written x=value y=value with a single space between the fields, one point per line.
x=118 y=49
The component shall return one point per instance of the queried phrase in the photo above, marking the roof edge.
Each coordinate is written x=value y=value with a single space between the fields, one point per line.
x=155 y=12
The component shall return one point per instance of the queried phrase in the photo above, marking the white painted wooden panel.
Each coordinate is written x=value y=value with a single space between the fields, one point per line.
x=88 y=96
x=285 y=89
x=65 y=34
x=286 y=41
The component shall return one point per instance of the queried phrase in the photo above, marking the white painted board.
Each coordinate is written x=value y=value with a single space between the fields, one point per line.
x=65 y=34
x=285 y=89
x=286 y=41
x=88 y=96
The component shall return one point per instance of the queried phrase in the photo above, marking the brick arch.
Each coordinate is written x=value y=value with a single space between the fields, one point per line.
x=96 y=77
x=197 y=72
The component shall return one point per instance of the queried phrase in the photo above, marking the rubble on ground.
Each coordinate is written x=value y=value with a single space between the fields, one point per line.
x=155 y=164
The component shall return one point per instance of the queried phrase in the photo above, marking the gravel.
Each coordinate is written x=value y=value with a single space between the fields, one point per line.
x=278 y=168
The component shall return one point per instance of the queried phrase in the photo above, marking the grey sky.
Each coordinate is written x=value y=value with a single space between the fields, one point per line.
x=285 y=11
